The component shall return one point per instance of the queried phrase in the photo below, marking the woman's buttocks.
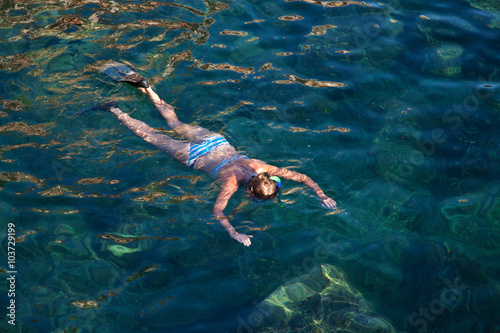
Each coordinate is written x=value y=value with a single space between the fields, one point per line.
x=211 y=160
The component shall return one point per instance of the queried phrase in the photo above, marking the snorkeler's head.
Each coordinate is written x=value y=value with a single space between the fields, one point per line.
x=263 y=186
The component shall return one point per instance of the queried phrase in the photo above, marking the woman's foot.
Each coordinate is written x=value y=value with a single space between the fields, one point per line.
x=136 y=80
x=143 y=90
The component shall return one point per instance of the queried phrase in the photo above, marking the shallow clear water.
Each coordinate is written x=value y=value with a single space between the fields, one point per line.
x=391 y=106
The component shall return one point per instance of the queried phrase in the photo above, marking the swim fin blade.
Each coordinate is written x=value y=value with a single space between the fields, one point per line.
x=103 y=107
x=123 y=73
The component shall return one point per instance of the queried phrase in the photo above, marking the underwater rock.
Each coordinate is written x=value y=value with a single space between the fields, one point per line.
x=444 y=60
x=404 y=153
x=385 y=199
x=183 y=252
x=438 y=27
x=72 y=59
x=490 y=6
x=474 y=217
x=380 y=81
x=350 y=320
x=320 y=301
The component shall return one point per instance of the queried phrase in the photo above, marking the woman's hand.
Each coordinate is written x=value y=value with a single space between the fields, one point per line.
x=328 y=203
x=243 y=239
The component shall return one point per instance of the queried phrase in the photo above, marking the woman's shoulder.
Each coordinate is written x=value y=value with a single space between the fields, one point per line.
x=259 y=166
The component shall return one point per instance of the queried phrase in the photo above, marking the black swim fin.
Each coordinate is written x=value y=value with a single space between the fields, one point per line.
x=103 y=107
x=123 y=73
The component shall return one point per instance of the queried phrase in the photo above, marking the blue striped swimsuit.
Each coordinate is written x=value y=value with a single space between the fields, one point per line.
x=207 y=145
x=204 y=146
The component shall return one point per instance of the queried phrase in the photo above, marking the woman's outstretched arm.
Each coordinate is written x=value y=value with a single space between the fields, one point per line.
x=229 y=187
x=298 y=177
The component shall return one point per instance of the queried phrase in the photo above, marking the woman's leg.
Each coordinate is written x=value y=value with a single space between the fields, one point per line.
x=176 y=149
x=189 y=132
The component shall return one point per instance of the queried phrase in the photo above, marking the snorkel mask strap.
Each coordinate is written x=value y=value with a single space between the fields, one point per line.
x=248 y=181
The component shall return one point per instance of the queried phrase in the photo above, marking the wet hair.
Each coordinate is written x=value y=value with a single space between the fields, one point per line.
x=261 y=187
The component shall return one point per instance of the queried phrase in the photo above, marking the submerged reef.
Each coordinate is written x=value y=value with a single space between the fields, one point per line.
x=320 y=301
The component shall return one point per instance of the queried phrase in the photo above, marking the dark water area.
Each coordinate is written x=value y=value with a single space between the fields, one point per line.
x=392 y=107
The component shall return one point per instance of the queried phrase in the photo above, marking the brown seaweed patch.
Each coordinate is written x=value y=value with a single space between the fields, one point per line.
x=187 y=197
x=170 y=25
x=128 y=239
x=66 y=22
x=84 y=304
x=177 y=58
x=225 y=67
x=337 y=129
x=310 y=83
x=190 y=31
x=155 y=306
x=143 y=272
x=135 y=190
x=320 y=30
x=20 y=126
x=234 y=108
x=19 y=177
x=335 y=212
x=59 y=190
x=13 y=105
x=264 y=228
x=215 y=7
x=291 y=18
x=97 y=180
x=173 y=61
x=150 y=197
x=16 y=62
x=214 y=82
x=59 y=211
x=332 y=3
x=297 y=129
x=88 y=181
x=22 y=237
x=211 y=83
x=212 y=7
x=268 y=108
x=233 y=33
x=255 y=21
x=329 y=129
x=118 y=239
x=268 y=66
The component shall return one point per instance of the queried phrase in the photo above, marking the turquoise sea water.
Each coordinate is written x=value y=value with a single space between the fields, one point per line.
x=391 y=106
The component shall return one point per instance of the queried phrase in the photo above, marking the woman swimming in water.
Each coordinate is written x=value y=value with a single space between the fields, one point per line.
x=209 y=152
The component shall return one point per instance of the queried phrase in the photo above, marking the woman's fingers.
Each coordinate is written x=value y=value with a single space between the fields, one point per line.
x=329 y=203
x=243 y=239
